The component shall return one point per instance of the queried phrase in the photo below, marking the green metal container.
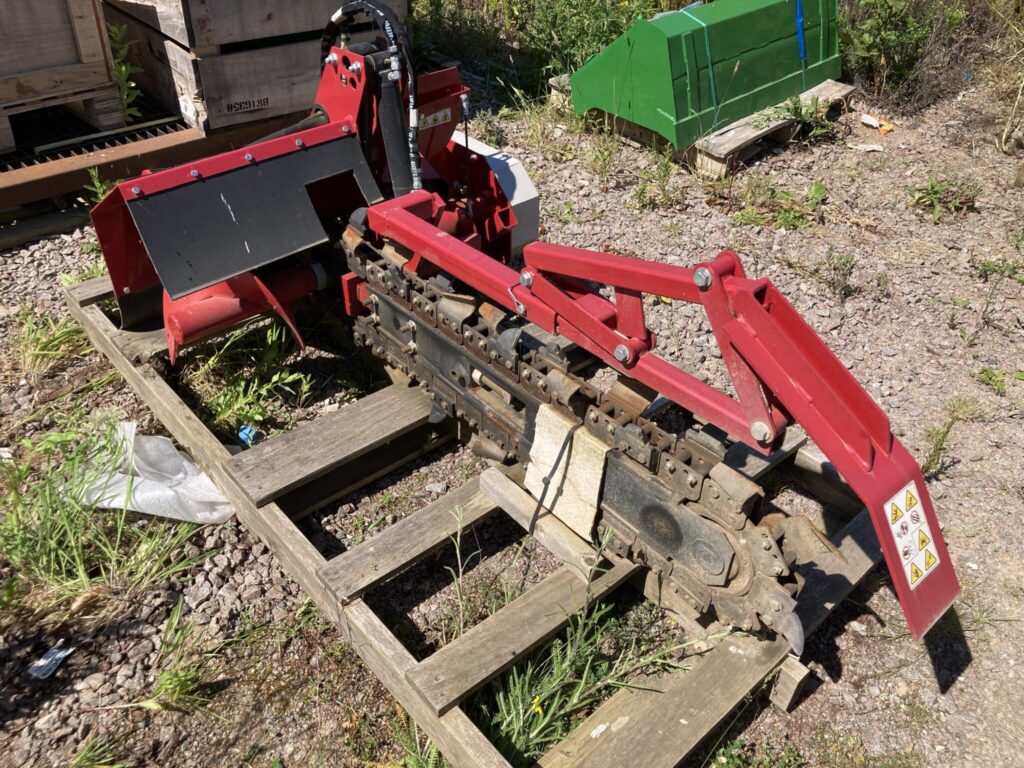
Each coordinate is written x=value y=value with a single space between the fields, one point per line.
x=762 y=52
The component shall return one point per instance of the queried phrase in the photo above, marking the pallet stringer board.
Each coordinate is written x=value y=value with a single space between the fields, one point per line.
x=454 y=733
x=655 y=726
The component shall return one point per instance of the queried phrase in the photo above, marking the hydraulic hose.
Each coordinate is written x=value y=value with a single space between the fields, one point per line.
x=398 y=42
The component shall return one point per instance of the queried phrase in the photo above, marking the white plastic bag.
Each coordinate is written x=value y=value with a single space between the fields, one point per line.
x=162 y=481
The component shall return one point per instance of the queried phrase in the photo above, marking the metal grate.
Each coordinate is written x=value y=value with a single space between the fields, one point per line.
x=55 y=133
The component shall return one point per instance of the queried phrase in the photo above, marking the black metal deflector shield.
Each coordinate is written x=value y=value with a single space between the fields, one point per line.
x=218 y=227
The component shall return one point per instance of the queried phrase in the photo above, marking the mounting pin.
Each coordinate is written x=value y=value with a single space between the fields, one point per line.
x=526 y=279
x=622 y=353
x=331 y=60
x=761 y=432
x=702 y=277
x=195 y=174
x=136 y=191
x=300 y=143
x=248 y=157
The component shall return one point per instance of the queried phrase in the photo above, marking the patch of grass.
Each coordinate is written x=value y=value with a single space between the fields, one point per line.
x=97 y=269
x=539 y=700
x=43 y=341
x=882 y=41
x=417 y=750
x=999 y=268
x=246 y=379
x=883 y=284
x=763 y=202
x=940 y=196
x=993 y=377
x=654 y=188
x=839 y=267
x=601 y=154
x=62 y=547
x=741 y=754
x=98 y=752
x=958 y=409
x=840 y=750
x=183 y=683
x=488 y=125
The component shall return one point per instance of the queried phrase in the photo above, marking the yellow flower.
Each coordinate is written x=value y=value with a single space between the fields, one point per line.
x=536 y=706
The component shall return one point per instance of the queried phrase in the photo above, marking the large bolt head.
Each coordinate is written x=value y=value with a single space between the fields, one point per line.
x=622 y=353
x=526 y=279
x=703 y=278
x=761 y=432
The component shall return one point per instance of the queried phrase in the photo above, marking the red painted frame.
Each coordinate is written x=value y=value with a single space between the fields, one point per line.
x=781 y=370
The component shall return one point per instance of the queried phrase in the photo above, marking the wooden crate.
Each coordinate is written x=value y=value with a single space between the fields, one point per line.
x=205 y=25
x=228 y=62
x=56 y=52
x=653 y=725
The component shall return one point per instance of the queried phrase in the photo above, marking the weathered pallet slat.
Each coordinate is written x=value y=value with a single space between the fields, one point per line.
x=495 y=644
x=406 y=542
x=269 y=470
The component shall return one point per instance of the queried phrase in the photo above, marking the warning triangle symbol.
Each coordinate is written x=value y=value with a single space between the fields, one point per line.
x=911 y=501
x=895 y=513
x=929 y=559
x=922 y=539
x=915 y=573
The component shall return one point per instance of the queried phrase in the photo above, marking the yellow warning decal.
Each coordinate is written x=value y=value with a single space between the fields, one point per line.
x=915 y=573
x=922 y=539
x=929 y=559
x=895 y=513
x=911 y=501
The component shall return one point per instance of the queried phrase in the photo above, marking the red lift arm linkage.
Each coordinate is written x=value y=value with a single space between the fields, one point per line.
x=782 y=372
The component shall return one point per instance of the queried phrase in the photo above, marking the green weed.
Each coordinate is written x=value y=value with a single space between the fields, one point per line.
x=246 y=379
x=43 y=341
x=942 y=196
x=810 y=120
x=763 y=202
x=839 y=267
x=655 y=189
x=97 y=269
x=98 y=752
x=52 y=535
x=601 y=157
x=999 y=268
x=882 y=41
x=417 y=750
x=183 y=681
x=127 y=89
x=993 y=377
x=958 y=409
x=883 y=284
x=740 y=754
x=98 y=187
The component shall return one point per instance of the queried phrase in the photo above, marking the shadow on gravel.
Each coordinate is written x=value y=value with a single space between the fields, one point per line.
x=948 y=650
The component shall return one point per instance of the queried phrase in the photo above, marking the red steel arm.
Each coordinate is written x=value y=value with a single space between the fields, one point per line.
x=780 y=369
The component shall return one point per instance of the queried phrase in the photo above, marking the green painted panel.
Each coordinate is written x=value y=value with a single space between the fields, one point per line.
x=659 y=75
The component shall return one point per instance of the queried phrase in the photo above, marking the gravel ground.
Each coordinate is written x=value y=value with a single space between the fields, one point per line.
x=288 y=688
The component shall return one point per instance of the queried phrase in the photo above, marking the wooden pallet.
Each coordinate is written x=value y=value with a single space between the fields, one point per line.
x=653 y=726
x=247 y=62
x=723 y=151
x=56 y=52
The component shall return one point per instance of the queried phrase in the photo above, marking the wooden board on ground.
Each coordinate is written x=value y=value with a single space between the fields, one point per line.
x=721 y=152
x=656 y=726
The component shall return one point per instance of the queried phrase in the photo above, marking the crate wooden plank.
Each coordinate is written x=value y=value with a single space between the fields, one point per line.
x=210 y=23
x=52 y=45
x=658 y=726
x=271 y=469
x=410 y=539
x=90 y=292
x=499 y=641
